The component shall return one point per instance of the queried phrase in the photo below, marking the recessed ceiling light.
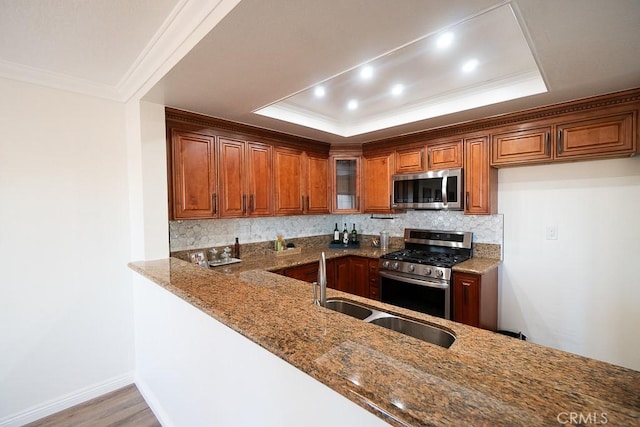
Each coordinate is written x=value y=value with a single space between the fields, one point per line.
x=352 y=105
x=319 y=91
x=366 y=72
x=470 y=65
x=445 y=40
x=397 y=89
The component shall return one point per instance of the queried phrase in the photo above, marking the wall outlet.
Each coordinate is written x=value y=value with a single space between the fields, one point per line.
x=552 y=232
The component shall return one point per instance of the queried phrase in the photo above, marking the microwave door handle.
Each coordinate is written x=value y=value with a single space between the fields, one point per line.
x=444 y=190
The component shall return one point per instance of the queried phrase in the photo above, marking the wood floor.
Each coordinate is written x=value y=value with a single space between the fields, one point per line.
x=123 y=407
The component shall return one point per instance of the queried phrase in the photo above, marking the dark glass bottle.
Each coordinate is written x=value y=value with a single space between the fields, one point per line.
x=236 y=249
x=354 y=235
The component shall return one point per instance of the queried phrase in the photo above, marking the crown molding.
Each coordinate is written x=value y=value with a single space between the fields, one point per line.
x=37 y=76
x=188 y=23
x=184 y=27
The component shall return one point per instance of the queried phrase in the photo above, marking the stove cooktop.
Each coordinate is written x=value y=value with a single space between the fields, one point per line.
x=426 y=257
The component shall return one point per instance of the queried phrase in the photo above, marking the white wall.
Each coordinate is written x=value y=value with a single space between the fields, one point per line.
x=66 y=304
x=579 y=293
x=147 y=169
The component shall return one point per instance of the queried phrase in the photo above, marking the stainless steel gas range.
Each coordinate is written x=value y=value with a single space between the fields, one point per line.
x=418 y=277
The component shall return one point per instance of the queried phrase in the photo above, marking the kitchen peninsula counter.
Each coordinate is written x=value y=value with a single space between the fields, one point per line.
x=482 y=379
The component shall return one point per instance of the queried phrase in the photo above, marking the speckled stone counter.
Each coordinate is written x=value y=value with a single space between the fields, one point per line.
x=482 y=379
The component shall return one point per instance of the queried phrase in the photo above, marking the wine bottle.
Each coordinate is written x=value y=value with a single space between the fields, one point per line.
x=336 y=234
x=236 y=249
x=354 y=235
x=345 y=235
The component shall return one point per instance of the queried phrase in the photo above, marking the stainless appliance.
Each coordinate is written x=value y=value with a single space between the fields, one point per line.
x=418 y=277
x=441 y=189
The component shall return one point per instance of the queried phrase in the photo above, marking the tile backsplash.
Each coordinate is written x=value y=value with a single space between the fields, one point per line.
x=195 y=234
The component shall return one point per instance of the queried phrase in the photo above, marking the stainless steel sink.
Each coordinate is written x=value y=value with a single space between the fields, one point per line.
x=349 y=308
x=422 y=331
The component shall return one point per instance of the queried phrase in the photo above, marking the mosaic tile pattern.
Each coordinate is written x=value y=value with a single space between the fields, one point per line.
x=194 y=234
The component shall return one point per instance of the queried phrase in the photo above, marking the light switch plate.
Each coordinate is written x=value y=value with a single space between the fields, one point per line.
x=552 y=232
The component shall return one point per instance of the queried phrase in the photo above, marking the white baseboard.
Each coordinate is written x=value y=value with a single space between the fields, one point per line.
x=153 y=403
x=63 y=402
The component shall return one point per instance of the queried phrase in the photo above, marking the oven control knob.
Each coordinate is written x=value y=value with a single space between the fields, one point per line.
x=412 y=268
x=427 y=271
x=385 y=264
x=439 y=273
x=395 y=265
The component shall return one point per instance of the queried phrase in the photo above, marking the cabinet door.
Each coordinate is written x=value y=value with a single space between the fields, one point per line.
x=466 y=299
x=288 y=182
x=447 y=155
x=346 y=184
x=481 y=181
x=523 y=146
x=317 y=188
x=377 y=172
x=374 y=285
x=342 y=274
x=260 y=186
x=233 y=197
x=307 y=272
x=359 y=277
x=409 y=160
x=601 y=137
x=193 y=164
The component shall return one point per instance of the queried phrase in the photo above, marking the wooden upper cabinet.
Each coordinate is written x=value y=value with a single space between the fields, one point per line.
x=377 y=173
x=481 y=180
x=233 y=196
x=317 y=197
x=597 y=137
x=260 y=179
x=521 y=146
x=193 y=170
x=446 y=155
x=410 y=160
x=345 y=184
x=288 y=173
x=245 y=179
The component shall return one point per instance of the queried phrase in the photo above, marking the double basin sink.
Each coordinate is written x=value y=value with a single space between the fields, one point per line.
x=419 y=330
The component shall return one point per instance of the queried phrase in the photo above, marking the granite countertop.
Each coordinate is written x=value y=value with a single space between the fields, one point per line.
x=272 y=262
x=482 y=379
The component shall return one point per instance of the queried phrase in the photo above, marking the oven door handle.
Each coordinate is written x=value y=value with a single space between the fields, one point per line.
x=413 y=281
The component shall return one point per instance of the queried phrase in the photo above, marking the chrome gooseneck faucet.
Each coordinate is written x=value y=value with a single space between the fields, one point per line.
x=322 y=281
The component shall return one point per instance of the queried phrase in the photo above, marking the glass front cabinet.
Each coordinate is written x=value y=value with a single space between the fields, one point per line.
x=346 y=184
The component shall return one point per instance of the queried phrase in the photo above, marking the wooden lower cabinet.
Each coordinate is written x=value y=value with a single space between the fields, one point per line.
x=351 y=274
x=342 y=276
x=475 y=299
x=306 y=272
x=374 y=281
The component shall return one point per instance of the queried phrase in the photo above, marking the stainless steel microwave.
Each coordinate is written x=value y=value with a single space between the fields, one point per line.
x=441 y=189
